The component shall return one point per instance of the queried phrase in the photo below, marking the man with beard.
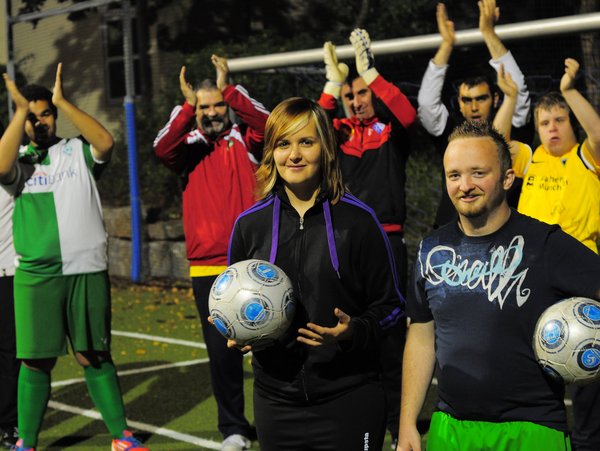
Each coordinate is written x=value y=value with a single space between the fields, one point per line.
x=480 y=284
x=477 y=94
x=374 y=147
x=61 y=283
x=562 y=186
x=216 y=160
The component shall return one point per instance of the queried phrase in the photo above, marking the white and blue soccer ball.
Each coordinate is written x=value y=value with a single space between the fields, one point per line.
x=567 y=340
x=252 y=302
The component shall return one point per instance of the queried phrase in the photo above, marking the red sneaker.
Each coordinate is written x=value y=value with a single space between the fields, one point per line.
x=128 y=442
x=19 y=446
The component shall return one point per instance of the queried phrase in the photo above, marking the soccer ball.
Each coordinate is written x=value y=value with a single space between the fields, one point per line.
x=252 y=302
x=567 y=340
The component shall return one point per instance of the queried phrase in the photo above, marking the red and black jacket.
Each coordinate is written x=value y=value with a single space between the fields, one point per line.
x=374 y=153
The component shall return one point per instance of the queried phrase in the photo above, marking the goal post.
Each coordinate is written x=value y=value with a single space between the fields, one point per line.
x=522 y=30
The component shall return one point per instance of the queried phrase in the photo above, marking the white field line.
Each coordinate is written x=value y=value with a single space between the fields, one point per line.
x=191 y=344
x=210 y=444
x=146 y=427
x=147 y=369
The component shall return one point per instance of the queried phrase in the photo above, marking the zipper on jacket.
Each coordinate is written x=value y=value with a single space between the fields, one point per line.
x=299 y=258
x=303 y=379
x=362 y=135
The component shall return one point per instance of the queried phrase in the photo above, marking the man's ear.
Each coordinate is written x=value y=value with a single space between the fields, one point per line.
x=509 y=179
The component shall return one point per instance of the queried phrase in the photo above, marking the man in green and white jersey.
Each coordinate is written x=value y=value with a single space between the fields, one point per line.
x=61 y=281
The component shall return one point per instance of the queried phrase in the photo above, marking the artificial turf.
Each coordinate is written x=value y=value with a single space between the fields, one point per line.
x=178 y=399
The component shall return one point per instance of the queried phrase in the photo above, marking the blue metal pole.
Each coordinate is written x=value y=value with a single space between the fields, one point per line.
x=134 y=191
x=134 y=184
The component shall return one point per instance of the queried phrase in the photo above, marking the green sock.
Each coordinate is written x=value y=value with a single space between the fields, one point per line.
x=33 y=393
x=104 y=390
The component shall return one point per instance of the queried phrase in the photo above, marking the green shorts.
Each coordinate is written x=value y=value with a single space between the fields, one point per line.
x=449 y=434
x=48 y=309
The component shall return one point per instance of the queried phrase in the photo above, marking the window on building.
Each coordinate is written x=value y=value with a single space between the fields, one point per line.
x=115 y=60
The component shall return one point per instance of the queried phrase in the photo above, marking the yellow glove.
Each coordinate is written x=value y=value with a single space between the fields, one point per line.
x=335 y=72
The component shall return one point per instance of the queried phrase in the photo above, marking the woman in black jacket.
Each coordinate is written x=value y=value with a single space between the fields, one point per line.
x=318 y=387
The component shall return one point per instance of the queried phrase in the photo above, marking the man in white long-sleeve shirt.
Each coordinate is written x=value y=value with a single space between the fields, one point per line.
x=477 y=96
x=9 y=364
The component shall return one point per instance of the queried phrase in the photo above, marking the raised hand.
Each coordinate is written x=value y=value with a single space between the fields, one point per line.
x=57 y=92
x=222 y=68
x=334 y=71
x=506 y=83
x=20 y=102
x=568 y=79
x=489 y=14
x=361 y=42
x=445 y=25
x=186 y=88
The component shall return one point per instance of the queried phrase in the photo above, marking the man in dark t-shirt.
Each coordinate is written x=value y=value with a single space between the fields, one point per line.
x=480 y=285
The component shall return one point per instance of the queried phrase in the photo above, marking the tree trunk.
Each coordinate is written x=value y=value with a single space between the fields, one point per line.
x=590 y=49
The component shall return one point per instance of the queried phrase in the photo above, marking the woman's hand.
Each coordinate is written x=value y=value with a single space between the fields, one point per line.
x=315 y=335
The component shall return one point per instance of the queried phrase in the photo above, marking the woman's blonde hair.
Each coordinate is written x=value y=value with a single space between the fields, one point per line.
x=289 y=117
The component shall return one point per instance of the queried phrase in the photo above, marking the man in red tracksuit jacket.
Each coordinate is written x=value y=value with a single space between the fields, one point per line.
x=216 y=160
x=374 y=149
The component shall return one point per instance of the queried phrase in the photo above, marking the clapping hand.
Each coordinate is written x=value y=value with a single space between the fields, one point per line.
x=186 y=88
x=568 y=79
x=222 y=68
x=21 y=102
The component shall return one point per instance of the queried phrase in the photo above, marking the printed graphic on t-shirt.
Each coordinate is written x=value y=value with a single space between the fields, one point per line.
x=546 y=182
x=498 y=276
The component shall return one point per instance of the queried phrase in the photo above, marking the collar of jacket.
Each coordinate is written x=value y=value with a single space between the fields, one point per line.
x=365 y=123
x=223 y=135
x=280 y=196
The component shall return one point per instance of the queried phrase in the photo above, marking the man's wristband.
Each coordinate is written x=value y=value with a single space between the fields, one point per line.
x=333 y=88
x=369 y=75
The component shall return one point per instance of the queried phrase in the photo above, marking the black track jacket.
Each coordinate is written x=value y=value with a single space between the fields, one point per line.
x=337 y=256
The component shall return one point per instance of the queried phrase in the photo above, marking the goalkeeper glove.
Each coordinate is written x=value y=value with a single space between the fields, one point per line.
x=335 y=72
x=365 y=63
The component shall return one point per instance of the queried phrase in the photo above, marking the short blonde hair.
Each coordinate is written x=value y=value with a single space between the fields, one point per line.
x=484 y=129
x=287 y=118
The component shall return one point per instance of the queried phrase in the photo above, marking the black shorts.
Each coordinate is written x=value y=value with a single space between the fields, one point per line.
x=353 y=421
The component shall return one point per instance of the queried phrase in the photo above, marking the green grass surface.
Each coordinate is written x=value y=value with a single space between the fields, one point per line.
x=177 y=399
x=169 y=407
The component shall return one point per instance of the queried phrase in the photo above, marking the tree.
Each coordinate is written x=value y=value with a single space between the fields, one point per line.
x=590 y=46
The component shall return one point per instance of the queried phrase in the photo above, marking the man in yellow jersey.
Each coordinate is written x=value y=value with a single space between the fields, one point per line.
x=561 y=185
